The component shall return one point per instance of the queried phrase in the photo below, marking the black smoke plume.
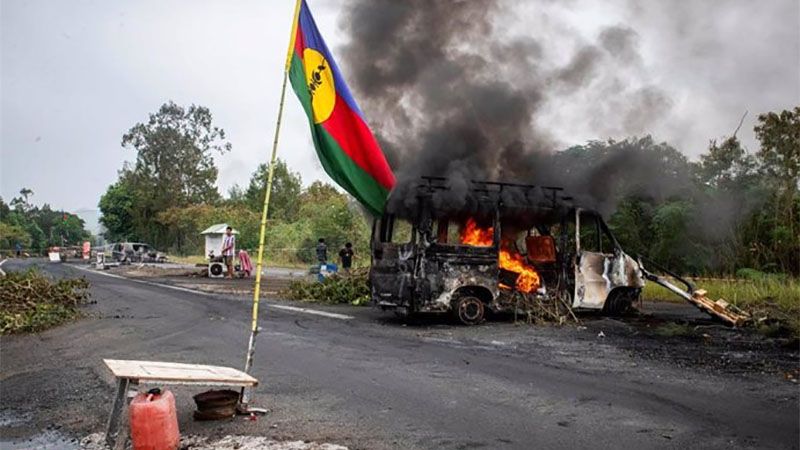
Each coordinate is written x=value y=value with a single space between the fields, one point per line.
x=449 y=92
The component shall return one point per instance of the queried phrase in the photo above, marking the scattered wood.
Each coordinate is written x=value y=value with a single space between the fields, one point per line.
x=719 y=308
x=537 y=308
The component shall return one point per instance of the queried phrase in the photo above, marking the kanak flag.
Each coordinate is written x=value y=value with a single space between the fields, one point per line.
x=345 y=145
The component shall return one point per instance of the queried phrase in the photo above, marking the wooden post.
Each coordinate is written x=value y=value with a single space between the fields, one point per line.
x=251 y=346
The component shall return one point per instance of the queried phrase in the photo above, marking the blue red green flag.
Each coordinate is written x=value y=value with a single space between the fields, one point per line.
x=345 y=145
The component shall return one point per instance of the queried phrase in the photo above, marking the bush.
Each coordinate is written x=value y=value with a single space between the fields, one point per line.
x=336 y=288
x=31 y=302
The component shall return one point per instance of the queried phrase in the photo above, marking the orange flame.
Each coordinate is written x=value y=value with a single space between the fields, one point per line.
x=527 y=279
x=476 y=236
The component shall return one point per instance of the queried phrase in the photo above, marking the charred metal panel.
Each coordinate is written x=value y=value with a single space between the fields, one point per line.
x=456 y=274
x=598 y=274
x=624 y=272
x=391 y=274
x=428 y=282
x=591 y=284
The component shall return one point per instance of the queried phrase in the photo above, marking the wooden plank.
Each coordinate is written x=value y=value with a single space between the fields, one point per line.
x=168 y=372
x=720 y=308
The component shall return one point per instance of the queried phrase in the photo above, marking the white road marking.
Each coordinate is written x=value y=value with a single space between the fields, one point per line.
x=315 y=312
x=2 y=274
x=311 y=311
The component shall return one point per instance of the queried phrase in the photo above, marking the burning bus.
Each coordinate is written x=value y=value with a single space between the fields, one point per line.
x=504 y=247
x=509 y=241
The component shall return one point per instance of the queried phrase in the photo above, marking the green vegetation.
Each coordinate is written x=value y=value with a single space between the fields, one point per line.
x=350 y=288
x=729 y=210
x=174 y=168
x=323 y=211
x=741 y=292
x=286 y=188
x=168 y=204
x=36 y=228
x=31 y=302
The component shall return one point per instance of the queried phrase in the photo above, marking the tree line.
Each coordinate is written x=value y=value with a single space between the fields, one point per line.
x=36 y=228
x=168 y=195
x=729 y=210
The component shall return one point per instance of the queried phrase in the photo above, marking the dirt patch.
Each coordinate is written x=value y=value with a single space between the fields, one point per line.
x=669 y=335
x=152 y=271
x=272 y=283
x=702 y=343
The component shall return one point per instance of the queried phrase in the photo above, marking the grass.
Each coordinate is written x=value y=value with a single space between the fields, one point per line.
x=740 y=292
x=775 y=297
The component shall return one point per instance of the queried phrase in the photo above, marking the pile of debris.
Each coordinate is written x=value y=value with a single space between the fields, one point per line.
x=30 y=301
x=538 y=309
x=349 y=288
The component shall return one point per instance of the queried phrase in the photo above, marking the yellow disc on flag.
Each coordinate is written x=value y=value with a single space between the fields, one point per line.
x=319 y=77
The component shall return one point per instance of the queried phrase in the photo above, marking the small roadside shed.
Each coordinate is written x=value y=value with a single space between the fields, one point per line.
x=214 y=235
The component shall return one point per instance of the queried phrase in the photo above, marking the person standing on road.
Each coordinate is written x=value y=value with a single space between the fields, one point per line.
x=229 y=249
x=322 y=251
x=346 y=257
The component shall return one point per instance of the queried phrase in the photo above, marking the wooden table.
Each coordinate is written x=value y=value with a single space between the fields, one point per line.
x=130 y=373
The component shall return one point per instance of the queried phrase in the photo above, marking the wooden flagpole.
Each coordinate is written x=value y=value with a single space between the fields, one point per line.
x=251 y=346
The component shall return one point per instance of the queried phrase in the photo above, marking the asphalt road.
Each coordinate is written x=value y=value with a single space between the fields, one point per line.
x=371 y=382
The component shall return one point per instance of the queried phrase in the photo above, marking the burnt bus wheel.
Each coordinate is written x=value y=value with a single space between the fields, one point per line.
x=469 y=310
x=620 y=301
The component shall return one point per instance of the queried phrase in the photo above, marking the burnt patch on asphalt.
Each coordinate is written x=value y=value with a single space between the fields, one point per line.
x=700 y=343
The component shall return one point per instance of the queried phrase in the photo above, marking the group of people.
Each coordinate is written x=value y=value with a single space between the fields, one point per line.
x=346 y=255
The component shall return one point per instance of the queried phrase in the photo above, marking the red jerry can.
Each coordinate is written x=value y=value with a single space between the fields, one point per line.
x=154 y=421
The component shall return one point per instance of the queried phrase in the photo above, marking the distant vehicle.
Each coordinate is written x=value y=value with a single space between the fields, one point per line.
x=130 y=252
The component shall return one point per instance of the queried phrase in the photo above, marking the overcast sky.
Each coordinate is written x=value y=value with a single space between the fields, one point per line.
x=77 y=74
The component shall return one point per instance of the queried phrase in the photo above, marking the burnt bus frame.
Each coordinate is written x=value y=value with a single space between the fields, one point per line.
x=423 y=293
